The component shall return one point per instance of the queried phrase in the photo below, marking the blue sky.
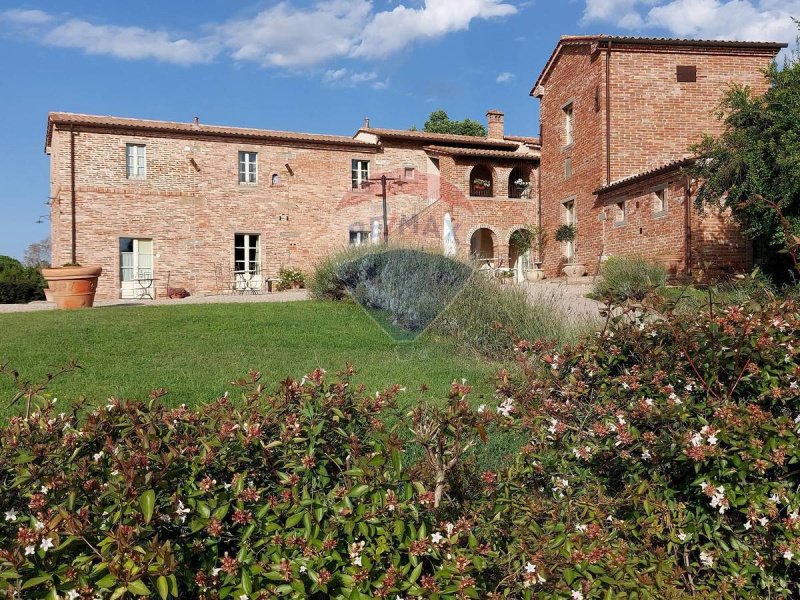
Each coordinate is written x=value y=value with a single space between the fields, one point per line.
x=306 y=66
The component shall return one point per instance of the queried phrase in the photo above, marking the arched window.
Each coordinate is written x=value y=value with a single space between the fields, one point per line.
x=519 y=183
x=480 y=182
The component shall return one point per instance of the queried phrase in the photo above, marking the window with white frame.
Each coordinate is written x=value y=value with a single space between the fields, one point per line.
x=569 y=219
x=246 y=253
x=360 y=173
x=248 y=167
x=659 y=201
x=359 y=237
x=136 y=162
x=569 y=124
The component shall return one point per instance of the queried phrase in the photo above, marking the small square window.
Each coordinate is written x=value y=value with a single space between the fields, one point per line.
x=136 y=161
x=248 y=167
x=659 y=201
x=686 y=73
x=567 y=168
x=408 y=173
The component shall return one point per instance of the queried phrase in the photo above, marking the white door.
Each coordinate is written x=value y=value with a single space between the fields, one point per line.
x=247 y=261
x=136 y=268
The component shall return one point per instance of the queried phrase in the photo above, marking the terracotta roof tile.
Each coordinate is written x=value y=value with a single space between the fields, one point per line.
x=441 y=137
x=484 y=153
x=665 y=168
x=59 y=118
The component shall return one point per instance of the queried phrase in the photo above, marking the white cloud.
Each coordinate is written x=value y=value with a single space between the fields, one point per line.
x=345 y=78
x=750 y=20
x=393 y=30
x=25 y=17
x=283 y=35
x=129 y=42
x=505 y=77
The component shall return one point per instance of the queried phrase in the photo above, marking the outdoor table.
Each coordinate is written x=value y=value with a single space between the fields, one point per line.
x=145 y=287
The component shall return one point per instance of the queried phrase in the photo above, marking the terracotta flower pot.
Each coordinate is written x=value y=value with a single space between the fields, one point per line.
x=575 y=270
x=48 y=294
x=534 y=274
x=72 y=287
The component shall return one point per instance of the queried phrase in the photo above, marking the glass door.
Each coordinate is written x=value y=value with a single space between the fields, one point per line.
x=247 y=261
x=136 y=268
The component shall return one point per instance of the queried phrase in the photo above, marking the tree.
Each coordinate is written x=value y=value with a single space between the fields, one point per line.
x=38 y=254
x=439 y=122
x=753 y=167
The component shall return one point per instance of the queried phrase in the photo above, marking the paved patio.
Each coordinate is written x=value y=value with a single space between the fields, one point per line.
x=287 y=296
x=569 y=294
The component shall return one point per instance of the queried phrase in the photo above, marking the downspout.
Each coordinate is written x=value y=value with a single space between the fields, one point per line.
x=74 y=258
x=608 y=113
x=688 y=217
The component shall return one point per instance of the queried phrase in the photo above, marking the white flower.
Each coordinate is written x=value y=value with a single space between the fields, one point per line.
x=682 y=536
x=712 y=440
x=706 y=559
x=437 y=538
x=449 y=528
x=243 y=597
x=98 y=456
x=481 y=409
x=215 y=571
x=46 y=544
x=506 y=407
x=11 y=515
x=748 y=525
x=530 y=568
x=73 y=595
x=29 y=550
x=576 y=595
x=182 y=511
x=44 y=489
x=775 y=498
x=580 y=527
x=697 y=439
x=646 y=455
x=303 y=569
x=788 y=555
x=357 y=561
x=648 y=401
x=110 y=406
x=38 y=524
x=763 y=521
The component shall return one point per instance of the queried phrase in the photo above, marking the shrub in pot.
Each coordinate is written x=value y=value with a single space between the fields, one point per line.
x=567 y=233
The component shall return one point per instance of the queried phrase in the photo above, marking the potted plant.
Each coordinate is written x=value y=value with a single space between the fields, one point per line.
x=523 y=187
x=72 y=285
x=566 y=233
x=481 y=184
x=524 y=240
x=290 y=279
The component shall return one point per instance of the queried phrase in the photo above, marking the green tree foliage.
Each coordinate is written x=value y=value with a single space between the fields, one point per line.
x=439 y=122
x=753 y=167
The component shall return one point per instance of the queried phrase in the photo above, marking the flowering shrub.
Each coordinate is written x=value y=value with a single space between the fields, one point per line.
x=298 y=494
x=290 y=278
x=661 y=460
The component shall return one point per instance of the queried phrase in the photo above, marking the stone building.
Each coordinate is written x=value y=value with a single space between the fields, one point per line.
x=209 y=208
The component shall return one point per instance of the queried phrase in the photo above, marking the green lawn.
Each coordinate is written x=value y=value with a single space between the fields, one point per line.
x=195 y=350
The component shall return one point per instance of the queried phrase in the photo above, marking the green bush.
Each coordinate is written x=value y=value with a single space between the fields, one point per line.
x=628 y=278
x=487 y=317
x=290 y=278
x=18 y=284
x=299 y=494
x=412 y=286
x=660 y=461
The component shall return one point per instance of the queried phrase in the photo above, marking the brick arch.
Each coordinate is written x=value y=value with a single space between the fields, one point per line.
x=467 y=244
x=488 y=169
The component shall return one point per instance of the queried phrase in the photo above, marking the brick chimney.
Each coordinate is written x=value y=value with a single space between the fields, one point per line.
x=495 y=119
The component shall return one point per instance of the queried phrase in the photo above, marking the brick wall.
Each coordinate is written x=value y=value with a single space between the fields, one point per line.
x=654 y=119
x=192 y=210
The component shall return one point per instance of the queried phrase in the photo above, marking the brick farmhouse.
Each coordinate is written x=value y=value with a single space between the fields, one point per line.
x=207 y=207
